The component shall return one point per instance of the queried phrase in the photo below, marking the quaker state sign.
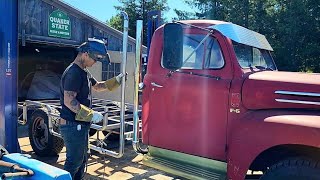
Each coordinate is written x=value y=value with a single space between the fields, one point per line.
x=59 y=25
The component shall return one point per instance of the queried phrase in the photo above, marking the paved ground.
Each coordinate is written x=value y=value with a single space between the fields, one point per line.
x=99 y=167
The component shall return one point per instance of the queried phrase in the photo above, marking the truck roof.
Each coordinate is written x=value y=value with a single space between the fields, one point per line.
x=234 y=32
x=203 y=22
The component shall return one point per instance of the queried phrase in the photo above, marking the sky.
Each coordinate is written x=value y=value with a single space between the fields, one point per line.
x=103 y=10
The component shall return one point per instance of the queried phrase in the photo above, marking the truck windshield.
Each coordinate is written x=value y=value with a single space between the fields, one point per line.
x=249 y=57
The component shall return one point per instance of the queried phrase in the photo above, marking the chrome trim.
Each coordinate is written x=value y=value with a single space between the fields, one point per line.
x=136 y=128
x=156 y=85
x=298 y=102
x=298 y=93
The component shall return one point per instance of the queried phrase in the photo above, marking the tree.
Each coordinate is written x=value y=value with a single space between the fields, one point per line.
x=292 y=27
x=209 y=9
x=116 y=22
x=137 y=9
x=184 y=15
x=297 y=33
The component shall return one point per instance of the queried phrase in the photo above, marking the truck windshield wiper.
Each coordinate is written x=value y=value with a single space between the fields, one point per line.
x=260 y=68
x=263 y=68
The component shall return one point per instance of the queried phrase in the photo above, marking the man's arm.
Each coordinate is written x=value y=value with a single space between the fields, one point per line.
x=110 y=84
x=83 y=113
x=71 y=102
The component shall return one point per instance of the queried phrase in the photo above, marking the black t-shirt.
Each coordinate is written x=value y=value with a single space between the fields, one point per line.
x=75 y=79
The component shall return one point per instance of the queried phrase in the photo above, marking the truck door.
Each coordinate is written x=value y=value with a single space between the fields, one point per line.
x=188 y=108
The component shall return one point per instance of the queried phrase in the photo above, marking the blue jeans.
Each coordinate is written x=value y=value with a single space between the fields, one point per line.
x=76 y=142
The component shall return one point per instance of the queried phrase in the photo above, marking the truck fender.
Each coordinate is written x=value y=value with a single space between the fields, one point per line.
x=260 y=130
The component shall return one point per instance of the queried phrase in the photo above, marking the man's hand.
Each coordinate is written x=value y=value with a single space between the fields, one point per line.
x=88 y=115
x=110 y=84
x=96 y=117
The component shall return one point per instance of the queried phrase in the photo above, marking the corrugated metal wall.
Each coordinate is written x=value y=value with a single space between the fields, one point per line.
x=34 y=18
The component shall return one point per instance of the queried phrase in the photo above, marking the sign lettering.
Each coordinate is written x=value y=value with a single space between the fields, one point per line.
x=59 y=25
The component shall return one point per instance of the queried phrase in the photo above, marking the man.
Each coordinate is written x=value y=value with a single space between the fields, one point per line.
x=76 y=115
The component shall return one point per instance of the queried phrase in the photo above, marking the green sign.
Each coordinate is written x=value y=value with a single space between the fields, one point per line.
x=59 y=25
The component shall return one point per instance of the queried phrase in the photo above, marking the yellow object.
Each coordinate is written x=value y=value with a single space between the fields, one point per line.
x=85 y=114
x=112 y=84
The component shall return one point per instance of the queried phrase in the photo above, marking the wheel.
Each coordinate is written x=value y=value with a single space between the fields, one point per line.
x=293 y=169
x=42 y=141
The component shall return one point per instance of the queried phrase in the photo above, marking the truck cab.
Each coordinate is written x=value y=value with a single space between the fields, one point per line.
x=215 y=105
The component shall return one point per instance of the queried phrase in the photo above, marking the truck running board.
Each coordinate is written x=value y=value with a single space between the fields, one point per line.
x=184 y=165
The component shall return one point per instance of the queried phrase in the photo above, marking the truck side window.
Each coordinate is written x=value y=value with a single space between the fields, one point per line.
x=190 y=43
x=214 y=57
x=207 y=56
x=253 y=57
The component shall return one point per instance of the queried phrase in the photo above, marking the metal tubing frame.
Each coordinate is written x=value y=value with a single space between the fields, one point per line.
x=50 y=113
x=51 y=109
x=136 y=130
x=122 y=104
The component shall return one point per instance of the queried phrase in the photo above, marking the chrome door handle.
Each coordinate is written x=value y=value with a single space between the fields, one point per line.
x=156 y=85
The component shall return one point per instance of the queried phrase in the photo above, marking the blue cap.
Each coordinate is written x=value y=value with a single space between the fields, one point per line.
x=96 y=49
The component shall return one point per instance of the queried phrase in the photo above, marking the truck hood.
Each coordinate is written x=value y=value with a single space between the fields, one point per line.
x=275 y=89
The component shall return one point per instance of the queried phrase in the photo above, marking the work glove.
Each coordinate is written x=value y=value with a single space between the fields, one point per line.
x=96 y=117
x=120 y=76
x=88 y=115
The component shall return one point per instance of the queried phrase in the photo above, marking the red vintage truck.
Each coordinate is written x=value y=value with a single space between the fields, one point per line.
x=215 y=106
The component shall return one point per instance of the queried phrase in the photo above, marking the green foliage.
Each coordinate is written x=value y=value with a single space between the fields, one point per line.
x=137 y=9
x=291 y=26
x=184 y=15
x=116 y=22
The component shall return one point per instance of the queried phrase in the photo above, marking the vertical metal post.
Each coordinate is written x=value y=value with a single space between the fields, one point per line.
x=123 y=82
x=8 y=74
x=136 y=128
x=123 y=86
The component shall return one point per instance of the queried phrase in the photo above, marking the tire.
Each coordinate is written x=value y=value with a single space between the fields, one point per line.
x=293 y=169
x=42 y=141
